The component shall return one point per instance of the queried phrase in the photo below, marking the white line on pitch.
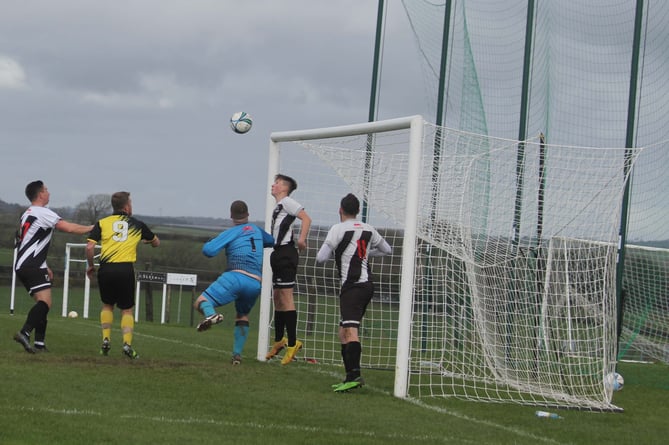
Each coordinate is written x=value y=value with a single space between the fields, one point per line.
x=415 y=402
x=227 y=423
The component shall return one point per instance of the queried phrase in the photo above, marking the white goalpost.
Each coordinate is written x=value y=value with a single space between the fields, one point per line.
x=12 y=297
x=411 y=147
x=501 y=285
x=76 y=259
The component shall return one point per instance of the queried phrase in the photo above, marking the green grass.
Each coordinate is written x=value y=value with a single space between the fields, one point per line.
x=6 y=256
x=183 y=389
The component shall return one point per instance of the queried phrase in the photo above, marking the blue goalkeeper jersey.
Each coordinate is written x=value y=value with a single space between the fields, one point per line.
x=243 y=246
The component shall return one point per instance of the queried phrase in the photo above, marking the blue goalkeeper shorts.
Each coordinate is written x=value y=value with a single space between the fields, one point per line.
x=234 y=286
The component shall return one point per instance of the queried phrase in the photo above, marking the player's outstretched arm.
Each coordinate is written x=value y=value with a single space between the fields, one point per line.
x=70 y=227
x=212 y=247
x=267 y=239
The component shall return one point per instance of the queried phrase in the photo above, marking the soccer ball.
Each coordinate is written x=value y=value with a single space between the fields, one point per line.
x=615 y=381
x=241 y=122
x=73 y=314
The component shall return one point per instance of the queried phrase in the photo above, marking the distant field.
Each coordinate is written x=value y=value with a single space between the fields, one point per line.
x=187 y=231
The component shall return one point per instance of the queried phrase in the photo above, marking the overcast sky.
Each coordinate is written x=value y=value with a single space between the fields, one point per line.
x=97 y=97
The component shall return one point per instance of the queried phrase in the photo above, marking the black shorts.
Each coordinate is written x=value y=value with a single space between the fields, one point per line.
x=34 y=279
x=284 y=261
x=117 y=284
x=353 y=302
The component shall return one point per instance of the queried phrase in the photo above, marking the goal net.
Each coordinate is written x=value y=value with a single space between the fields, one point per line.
x=645 y=324
x=501 y=286
x=645 y=327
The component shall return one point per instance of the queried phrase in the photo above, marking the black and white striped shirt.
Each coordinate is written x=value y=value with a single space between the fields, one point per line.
x=34 y=237
x=352 y=242
x=283 y=218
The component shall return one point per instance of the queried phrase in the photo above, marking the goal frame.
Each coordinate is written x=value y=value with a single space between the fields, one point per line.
x=415 y=126
x=66 y=278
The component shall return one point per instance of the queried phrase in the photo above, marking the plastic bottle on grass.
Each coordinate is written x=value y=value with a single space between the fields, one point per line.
x=547 y=414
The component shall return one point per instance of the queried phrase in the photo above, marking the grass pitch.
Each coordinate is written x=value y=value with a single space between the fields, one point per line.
x=183 y=389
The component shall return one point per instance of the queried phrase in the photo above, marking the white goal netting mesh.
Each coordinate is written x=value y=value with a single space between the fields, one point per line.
x=514 y=274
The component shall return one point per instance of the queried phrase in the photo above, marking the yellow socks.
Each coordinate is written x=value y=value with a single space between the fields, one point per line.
x=106 y=320
x=127 y=326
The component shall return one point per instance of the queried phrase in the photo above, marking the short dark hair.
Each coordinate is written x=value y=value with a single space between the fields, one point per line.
x=350 y=204
x=33 y=189
x=239 y=210
x=119 y=200
x=292 y=184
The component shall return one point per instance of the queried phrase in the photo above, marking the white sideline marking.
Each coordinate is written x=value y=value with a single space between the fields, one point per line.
x=226 y=423
x=46 y=409
x=282 y=427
